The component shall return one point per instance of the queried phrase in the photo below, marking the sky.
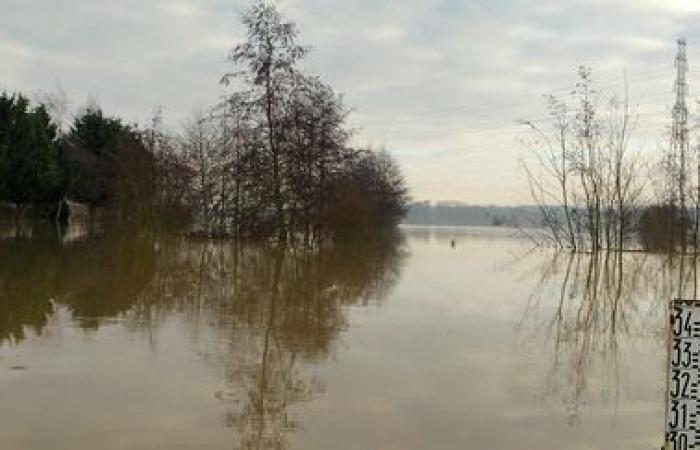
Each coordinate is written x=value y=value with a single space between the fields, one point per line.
x=439 y=83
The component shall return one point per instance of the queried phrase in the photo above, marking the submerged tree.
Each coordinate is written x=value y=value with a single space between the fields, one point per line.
x=369 y=194
x=271 y=161
x=270 y=55
x=110 y=165
x=199 y=148
x=91 y=147
x=173 y=200
x=581 y=172
x=287 y=131
x=29 y=153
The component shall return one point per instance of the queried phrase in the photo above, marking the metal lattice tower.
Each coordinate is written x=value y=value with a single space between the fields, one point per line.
x=679 y=131
x=680 y=109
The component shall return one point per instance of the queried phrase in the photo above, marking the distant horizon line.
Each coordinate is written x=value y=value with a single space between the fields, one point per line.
x=466 y=203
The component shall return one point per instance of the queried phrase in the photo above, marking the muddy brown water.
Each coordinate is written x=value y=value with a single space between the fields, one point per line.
x=402 y=343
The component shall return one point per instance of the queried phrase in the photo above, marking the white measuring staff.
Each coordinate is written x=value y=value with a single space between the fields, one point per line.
x=683 y=382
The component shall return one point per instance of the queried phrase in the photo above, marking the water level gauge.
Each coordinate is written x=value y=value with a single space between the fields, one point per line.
x=683 y=401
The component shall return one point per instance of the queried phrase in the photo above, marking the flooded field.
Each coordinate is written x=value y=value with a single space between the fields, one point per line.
x=408 y=342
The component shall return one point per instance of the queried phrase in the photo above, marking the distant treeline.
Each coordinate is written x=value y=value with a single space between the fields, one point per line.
x=271 y=160
x=651 y=226
x=460 y=214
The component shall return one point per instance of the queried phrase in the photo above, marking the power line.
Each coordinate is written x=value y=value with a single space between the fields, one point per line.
x=487 y=107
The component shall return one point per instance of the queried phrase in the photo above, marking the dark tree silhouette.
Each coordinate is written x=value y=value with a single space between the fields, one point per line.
x=29 y=153
x=272 y=161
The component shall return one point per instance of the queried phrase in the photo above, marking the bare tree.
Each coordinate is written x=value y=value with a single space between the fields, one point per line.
x=581 y=172
x=199 y=145
x=270 y=55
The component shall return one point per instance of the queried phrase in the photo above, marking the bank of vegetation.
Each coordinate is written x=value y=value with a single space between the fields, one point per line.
x=596 y=190
x=272 y=160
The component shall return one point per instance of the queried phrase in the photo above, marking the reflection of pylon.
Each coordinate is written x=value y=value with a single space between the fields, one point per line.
x=679 y=131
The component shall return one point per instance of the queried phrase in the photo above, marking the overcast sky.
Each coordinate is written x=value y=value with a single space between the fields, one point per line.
x=440 y=83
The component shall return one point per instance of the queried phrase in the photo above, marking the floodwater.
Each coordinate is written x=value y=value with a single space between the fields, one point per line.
x=406 y=342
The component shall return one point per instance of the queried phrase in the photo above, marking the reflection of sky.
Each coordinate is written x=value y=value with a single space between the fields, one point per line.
x=438 y=363
x=443 y=367
x=426 y=78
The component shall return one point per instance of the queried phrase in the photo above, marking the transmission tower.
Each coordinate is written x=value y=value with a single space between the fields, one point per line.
x=679 y=134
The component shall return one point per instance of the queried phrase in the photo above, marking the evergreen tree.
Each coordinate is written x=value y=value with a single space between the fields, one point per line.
x=29 y=153
x=91 y=148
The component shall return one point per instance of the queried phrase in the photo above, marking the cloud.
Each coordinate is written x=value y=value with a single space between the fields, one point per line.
x=439 y=82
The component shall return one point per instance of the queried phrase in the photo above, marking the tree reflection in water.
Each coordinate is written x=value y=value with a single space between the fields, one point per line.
x=272 y=313
x=590 y=308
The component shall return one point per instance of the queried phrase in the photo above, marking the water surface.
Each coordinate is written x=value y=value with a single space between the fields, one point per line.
x=399 y=343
